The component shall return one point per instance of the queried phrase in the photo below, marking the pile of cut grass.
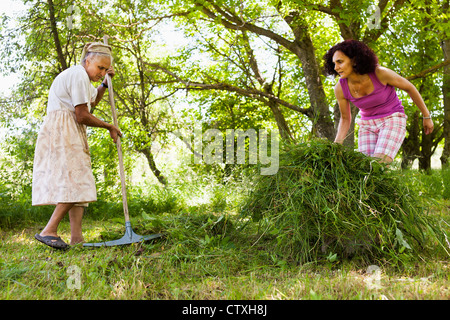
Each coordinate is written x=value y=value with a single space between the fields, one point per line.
x=328 y=202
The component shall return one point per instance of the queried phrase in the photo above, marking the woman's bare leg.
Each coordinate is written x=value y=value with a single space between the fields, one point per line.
x=51 y=229
x=76 y=217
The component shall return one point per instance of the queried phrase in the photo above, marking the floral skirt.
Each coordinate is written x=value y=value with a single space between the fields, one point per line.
x=62 y=171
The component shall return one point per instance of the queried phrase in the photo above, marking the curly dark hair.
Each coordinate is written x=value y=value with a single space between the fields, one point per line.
x=364 y=58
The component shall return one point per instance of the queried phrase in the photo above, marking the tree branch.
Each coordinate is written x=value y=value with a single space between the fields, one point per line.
x=252 y=93
x=424 y=73
x=235 y=23
x=54 y=29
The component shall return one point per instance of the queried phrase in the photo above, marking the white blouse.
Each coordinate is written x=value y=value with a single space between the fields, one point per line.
x=70 y=88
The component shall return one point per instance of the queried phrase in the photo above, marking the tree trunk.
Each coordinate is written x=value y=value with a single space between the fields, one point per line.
x=426 y=152
x=54 y=29
x=151 y=162
x=411 y=145
x=321 y=119
x=445 y=44
x=283 y=126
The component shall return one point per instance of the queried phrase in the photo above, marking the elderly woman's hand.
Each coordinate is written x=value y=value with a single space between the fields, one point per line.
x=111 y=72
x=114 y=132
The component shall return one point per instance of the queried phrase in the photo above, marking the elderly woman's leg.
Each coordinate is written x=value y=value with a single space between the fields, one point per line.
x=51 y=229
x=76 y=217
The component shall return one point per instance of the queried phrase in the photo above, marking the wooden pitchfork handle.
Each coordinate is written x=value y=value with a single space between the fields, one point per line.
x=118 y=143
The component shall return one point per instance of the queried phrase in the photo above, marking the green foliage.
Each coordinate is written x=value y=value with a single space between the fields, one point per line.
x=197 y=48
x=328 y=200
x=16 y=169
x=446 y=180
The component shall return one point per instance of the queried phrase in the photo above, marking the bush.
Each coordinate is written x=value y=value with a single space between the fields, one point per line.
x=330 y=201
x=16 y=209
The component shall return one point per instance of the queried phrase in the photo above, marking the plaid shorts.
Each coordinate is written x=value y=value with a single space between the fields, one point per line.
x=382 y=136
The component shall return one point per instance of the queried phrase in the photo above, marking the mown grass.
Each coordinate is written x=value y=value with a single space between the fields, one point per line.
x=194 y=261
x=328 y=202
x=208 y=252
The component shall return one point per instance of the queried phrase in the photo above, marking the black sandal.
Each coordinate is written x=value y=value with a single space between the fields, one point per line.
x=54 y=242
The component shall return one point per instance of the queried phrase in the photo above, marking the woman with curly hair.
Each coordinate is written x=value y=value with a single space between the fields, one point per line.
x=371 y=88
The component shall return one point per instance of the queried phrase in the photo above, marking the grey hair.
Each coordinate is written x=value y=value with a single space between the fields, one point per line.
x=92 y=55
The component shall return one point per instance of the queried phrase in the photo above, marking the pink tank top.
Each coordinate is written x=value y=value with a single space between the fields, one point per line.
x=382 y=102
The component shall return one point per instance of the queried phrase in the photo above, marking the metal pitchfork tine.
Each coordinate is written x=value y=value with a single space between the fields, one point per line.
x=130 y=236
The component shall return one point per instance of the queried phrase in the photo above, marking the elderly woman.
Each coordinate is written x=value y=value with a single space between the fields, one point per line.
x=62 y=174
x=371 y=88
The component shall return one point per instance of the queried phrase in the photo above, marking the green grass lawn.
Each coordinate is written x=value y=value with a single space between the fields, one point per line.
x=209 y=251
x=199 y=259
